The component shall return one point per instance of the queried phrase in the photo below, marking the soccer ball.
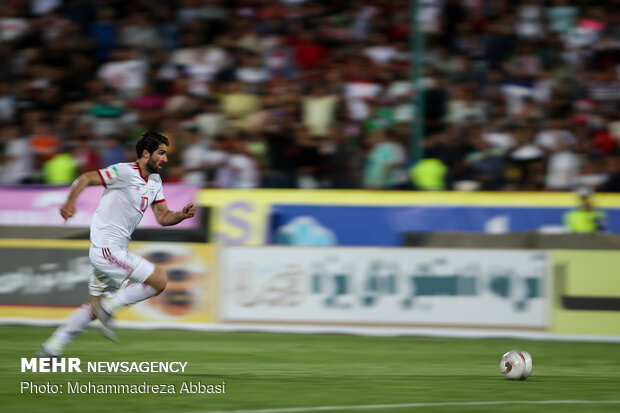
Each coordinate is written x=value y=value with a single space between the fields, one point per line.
x=516 y=365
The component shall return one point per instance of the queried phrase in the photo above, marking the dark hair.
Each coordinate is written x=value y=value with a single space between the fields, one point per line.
x=150 y=141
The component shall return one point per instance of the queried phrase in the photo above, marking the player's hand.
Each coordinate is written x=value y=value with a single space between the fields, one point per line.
x=67 y=210
x=189 y=210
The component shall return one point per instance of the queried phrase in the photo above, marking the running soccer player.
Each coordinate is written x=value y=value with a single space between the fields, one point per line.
x=130 y=188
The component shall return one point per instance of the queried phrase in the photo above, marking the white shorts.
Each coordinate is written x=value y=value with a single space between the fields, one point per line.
x=112 y=267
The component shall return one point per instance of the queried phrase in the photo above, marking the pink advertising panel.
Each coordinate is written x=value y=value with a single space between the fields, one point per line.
x=25 y=206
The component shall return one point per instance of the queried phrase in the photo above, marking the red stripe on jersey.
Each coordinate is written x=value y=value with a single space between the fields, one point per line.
x=160 y=201
x=140 y=170
x=102 y=180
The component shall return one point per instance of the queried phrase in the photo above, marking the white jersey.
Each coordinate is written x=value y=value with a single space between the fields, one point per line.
x=126 y=196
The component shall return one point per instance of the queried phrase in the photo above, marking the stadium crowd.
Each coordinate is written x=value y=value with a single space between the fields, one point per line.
x=517 y=95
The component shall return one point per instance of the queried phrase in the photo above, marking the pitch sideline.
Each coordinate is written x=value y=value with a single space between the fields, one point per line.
x=410 y=405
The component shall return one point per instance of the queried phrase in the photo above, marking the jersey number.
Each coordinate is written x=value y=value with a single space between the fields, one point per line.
x=144 y=203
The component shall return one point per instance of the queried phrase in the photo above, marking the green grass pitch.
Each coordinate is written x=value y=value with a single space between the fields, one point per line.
x=286 y=371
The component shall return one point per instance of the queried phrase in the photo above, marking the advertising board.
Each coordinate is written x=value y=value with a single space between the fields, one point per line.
x=380 y=218
x=586 y=292
x=26 y=206
x=47 y=279
x=385 y=286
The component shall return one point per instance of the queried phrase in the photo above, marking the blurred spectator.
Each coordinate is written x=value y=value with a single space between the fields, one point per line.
x=278 y=59
x=380 y=51
x=251 y=69
x=105 y=114
x=42 y=7
x=12 y=25
x=43 y=141
x=104 y=33
x=271 y=111
x=380 y=114
x=139 y=32
x=429 y=174
x=399 y=94
x=61 y=169
x=113 y=150
x=237 y=103
x=562 y=16
x=562 y=167
x=281 y=169
x=515 y=95
x=150 y=102
x=307 y=158
x=527 y=160
x=613 y=172
x=182 y=102
x=362 y=20
x=319 y=110
x=361 y=86
x=240 y=169
x=167 y=28
x=342 y=158
x=592 y=175
x=256 y=148
x=7 y=102
x=126 y=73
x=590 y=25
x=307 y=51
x=86 y=155
x=530 y=20
x=486 y=163
x=463 y=107
x=17 y=166
x=385 y=166
x=196 y=158
x=450 y=147
x=556 y=132
x=209 y=121
x=585 y=218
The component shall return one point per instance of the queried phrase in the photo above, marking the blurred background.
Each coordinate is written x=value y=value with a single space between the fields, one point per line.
x=431 y=95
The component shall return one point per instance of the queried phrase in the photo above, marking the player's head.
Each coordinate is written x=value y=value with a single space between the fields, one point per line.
x=150 y=141
x=148 y=147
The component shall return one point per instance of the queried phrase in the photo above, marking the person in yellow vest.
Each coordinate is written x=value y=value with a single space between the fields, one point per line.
x=61 y=169
x=586 y=218
x=429 y=175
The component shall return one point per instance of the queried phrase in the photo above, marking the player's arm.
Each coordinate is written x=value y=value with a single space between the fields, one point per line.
x=166 y=217
x=81 y=182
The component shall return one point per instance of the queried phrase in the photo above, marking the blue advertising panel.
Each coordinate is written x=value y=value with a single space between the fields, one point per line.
x=363 y=217
x=385 y=225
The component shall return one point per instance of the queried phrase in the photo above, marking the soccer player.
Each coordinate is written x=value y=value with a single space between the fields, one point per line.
x=130 y=188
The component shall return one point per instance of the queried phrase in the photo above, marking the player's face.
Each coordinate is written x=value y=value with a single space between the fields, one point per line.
x=157 y=159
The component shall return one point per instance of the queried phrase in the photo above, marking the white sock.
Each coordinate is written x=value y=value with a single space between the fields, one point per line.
x=133 y=293
x=69 y=330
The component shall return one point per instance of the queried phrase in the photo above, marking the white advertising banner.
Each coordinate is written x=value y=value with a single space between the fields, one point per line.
x=385 y=286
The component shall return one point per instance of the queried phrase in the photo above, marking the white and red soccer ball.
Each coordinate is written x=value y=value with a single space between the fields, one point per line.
x=516 y=365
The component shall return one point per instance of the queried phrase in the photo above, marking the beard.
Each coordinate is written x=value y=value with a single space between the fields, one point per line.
x=151 y=166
